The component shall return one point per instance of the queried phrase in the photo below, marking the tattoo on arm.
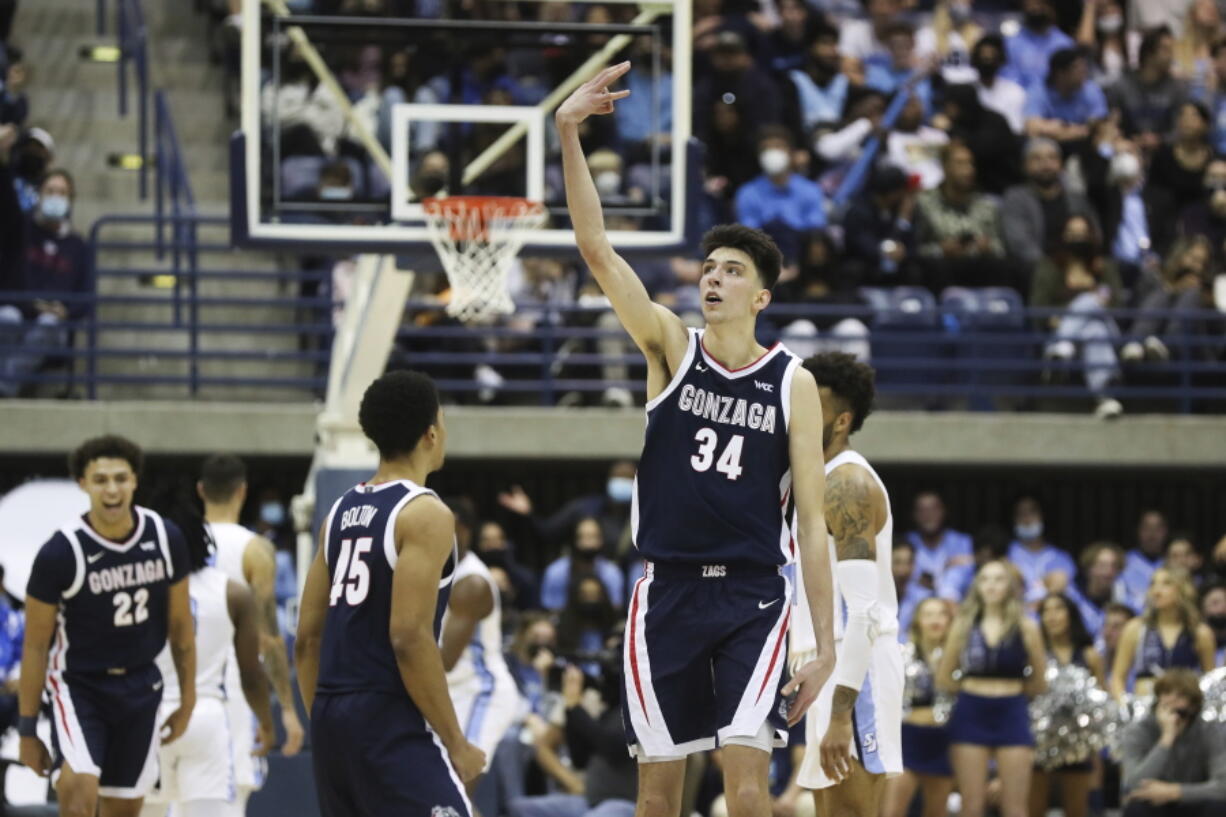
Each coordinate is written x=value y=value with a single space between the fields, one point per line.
x=844 y=700
x=849 y=515
x=276 y=662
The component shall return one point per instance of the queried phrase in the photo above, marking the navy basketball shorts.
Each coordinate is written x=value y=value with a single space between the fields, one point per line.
x=106 y=725
x=704 y=655
x=373 y=758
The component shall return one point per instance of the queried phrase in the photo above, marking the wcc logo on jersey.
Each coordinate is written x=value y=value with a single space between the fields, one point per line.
x=444 y=811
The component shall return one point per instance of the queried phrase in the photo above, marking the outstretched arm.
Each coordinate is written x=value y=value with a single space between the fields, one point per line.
x=658 y=332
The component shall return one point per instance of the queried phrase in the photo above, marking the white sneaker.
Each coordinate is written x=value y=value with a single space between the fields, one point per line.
x=617 y=397
x=1156 y=349
x=1108 y=408
x=1060 y=350
x=1132 y=352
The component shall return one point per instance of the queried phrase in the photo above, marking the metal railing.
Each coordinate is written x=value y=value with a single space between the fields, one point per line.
x=132 y=39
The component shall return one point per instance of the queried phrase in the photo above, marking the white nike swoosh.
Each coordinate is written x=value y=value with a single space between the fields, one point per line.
x=94 y=558
x=762 y=605
x=158 y=685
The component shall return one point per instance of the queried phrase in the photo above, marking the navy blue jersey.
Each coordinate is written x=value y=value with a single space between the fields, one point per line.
x=112 y=596
x=360 y=548
x=714 y=480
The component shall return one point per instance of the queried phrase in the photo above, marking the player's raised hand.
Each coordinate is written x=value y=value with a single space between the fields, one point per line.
x=34 y=755
x=174 y=726
x=593 y=96
x=469 y=762
x=806 y=683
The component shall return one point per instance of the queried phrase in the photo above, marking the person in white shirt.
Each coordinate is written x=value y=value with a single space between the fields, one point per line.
x=998 y=93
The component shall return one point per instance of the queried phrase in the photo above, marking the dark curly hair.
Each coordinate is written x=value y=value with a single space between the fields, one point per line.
x=397 y=409
x=759 y=246
x=110 y=446
x=850 y=380
x=221 y=476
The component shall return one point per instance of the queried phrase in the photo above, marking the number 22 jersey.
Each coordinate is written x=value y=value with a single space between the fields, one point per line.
x=714 y=480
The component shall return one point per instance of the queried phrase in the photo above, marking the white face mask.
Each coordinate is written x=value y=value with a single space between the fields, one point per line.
x=1125 y=166
x=608 y=183
x=1110 y=24
x=774 y=161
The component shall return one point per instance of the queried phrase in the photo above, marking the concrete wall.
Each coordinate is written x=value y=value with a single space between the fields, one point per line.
x=34 y=427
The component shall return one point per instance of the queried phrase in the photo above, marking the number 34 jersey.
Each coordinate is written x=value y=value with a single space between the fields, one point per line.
x=112 y=596
x=714 y=480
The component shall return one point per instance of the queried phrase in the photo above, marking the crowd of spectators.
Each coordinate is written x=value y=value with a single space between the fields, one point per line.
x=46 y=269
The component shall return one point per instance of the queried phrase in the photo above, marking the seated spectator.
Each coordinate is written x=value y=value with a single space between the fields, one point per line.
x=888 y=76
x=862 y=42
x=1181 y=554
x=1216 y=99
x=1141 y=562
x=1206 y=217
x=583 y=557
x=12 y=633
x=823 y=282
x=995 y=147
x=1115 y=618
x=1168 y=635
x=991 y=544
x=1149 y=96
x=879 y=233
x=611 y=509
x=1101 y=32
x=533 y=653
x=780 y=199
x=820 y=85
x=731 y=160
x=996 y=92
x=1186 y=288
x=14 y=106
x=1082 y=281
x=1135 y=214
x=1173 y=762
x=516 y=582
x=937 y=547
x=57 y=262
x=1033 y=213
x=639 y=127
x=1031 y=48
x=586 y=622
x=1068 y=103
x=916 y=147
x=1213 y=609
x=29 y=159
x=1098 y=583
x=1044 y=568
x=789 y=43
x=841 y=147
x=909 y=592
x=733 y=72
x=1180 y=164
x=1194 y=46
x=958 y=229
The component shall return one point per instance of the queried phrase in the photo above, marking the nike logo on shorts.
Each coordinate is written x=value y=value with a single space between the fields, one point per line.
x=762 y=605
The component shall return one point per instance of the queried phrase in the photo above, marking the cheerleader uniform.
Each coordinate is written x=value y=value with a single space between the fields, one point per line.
x=983 y=720
x=925 y=748
x=1153 y=658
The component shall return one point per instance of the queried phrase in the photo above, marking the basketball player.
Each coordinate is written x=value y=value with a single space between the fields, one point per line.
x=197 y=771
x=482 y=688
x=107 y=588
x=854 y=731
x=733 y=440
x=249 y=559
x=385 y=735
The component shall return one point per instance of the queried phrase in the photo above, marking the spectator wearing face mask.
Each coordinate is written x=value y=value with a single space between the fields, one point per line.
x=780 y=201
x=1033 y=213
x=610 y=508
x=583 y=558
x=516 y=582
x=1101 y=33
x=819 y=83
x=1044 y=568
x=32 y=154
x=1213 y=608
x=57 y=262
x=1030 y=49
x=996 y=92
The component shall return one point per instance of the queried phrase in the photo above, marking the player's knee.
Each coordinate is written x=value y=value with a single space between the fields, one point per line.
x=747 y=798
x=78 y=800
x=657 y=804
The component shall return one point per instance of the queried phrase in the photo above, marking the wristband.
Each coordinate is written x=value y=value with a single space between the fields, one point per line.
x=27 y=726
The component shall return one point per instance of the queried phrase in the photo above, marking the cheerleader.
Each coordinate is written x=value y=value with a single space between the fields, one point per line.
x=1068 y=644
x=994 y=660
x=925 y=744
x=1168 y=634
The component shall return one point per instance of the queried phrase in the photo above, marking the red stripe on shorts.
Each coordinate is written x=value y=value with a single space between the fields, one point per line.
x=775 y=655
x=634 y=648
x=60 y=704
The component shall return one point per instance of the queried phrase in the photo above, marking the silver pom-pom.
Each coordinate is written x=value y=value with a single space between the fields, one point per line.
x=1213 y=686
x=1073 y=720
x=918 y=681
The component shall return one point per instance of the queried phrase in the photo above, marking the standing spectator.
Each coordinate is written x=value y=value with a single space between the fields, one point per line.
x=958 y=229
x=888 y=76
x=1068 y=103
x=1115 y=618
x=1000 y=654
x=583 y=559
x=916 y=147
x=610 y=508
x=996 y=148
x=780 y=201
x=1136 y=215
x=863 y=42
x=879 y=234
x=1148 y=97
x=1082 y=281
x=1141 y=562
x=1179 y=165
x=938 y=547
x=1101 y=32
x=29 y=159
x=1169 y=634
x=1173 y=762
x=1206 y=217
x=1213 y=608
x=820 y=84
x=910 y=595
x=1030 y=49
x=1044 y=568
x=998 y=93
x=733 y=72
x=1034 y=213
x=925 y=743
x=1216 y=99
x=57 y=262
x=1067 y=644
x=1098 y=583
x=12 y=633
x=14 y=106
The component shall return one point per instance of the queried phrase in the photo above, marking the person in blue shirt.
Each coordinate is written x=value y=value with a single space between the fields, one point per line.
x=1141 y=562
x=910 y=594
x=1030 y=49
x=889 y=75
x=991 y=544
x=821 y=86
x=584 y=556
x=780 y=201
x=1213 y=608
x=1068 y=103
x=1098 y=584
x=937 y=547
x=12 y=633
x=1044 y=567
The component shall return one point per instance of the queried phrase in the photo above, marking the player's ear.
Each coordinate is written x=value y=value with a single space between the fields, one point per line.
x=762 y=299
x=200 y=491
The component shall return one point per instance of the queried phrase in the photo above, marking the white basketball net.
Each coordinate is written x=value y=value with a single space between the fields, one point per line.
x=477 y=238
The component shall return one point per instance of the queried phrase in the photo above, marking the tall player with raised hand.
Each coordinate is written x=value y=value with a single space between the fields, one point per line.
x=733 y=442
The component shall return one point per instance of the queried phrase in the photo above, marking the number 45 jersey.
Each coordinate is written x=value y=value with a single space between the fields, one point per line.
x=360 y=549
x=714 y=481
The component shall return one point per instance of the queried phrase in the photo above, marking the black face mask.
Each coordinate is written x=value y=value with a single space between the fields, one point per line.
x=29 y=166
x=987 y=70
x=1217 y=622
x=1037 y=20
x=494 y=558
x=589 y=610
x=586 y=556
x=1080 y=249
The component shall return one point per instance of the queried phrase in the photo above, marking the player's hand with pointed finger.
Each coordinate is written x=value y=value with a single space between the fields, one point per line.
x=33 y=754
x=806 y=683
x=469 y=761
x=836 y=747
x=593 y=96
